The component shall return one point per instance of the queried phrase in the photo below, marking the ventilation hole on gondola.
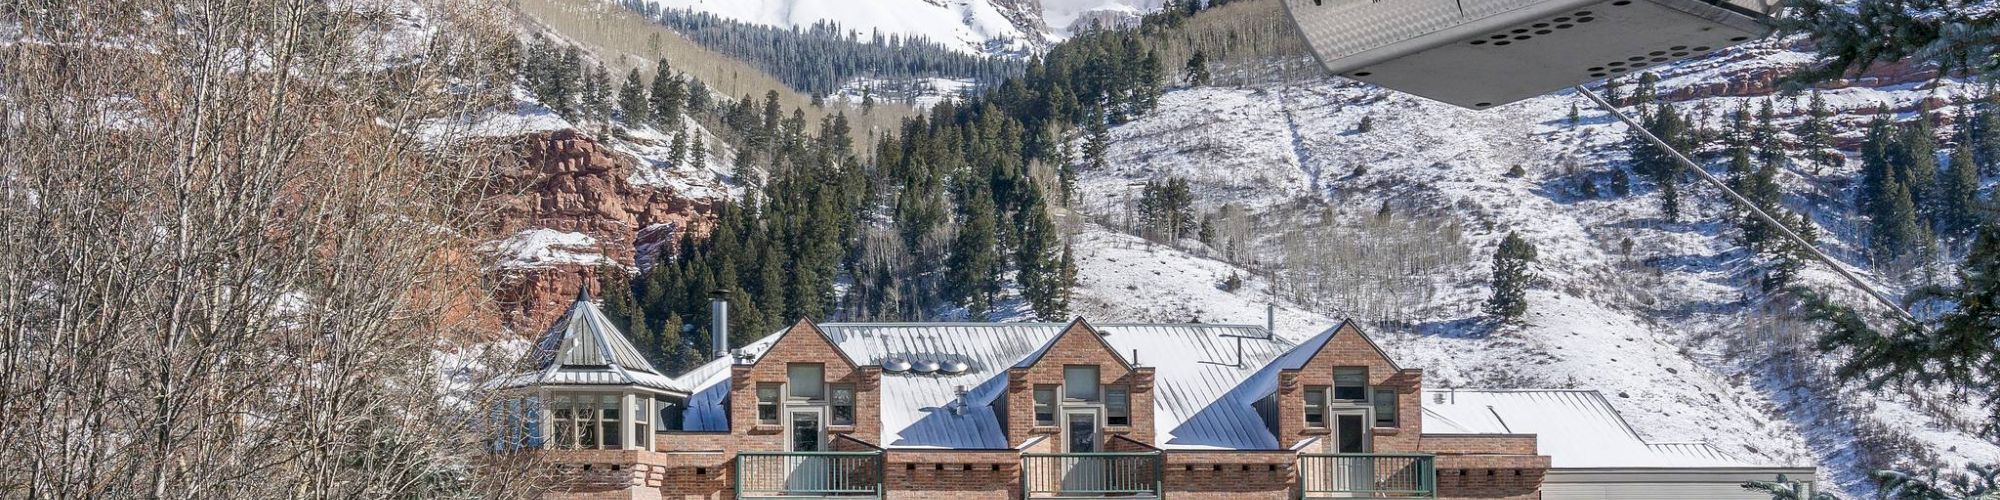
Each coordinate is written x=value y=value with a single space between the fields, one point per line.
x=1484 y=104
x=1581 y=13
x=1479 y=42
x=1678 y=47
x=1543 y=32
x=1641 y=65
x=1364 y=73
x=1658 y=53
x=1680 y=54
x=1498 y=37
x=1564 y=26
x=1597 y=75
x=1503 y=42
x=1617 y=70
x=1596 y=69
x=1635 y=58
x=1523 y=37
x=1540 y=25
x=1518 y=31
x=1622 y=3
x=1701 y=49
x=1739 y=39
x=1561 y=19
x=1617 y=64
x=1659 y=59
x=1585 y=19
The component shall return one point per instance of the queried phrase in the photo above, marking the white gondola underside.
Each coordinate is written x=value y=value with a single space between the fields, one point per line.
x=1483 y=53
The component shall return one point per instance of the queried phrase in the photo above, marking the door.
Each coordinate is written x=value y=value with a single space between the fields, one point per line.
x=805 y=430
x=1081 y=435
x=1350 y=436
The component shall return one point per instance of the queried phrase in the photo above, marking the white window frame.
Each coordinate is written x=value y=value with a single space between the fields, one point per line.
x=1052 y=406
x=1096 y=383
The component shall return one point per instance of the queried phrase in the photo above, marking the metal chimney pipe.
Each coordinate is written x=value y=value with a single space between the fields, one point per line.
x=1271 y=319
x=718 y=327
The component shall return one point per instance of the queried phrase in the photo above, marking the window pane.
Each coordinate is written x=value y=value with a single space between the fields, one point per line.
x=1385 y=407
x=1045 y=405
x=1117 y=405
x=1080 y=382
x=608 y=426
x=767 y=403
x=1350 y=384
x=1315 y=406
x=843 y=404
x=808 y=380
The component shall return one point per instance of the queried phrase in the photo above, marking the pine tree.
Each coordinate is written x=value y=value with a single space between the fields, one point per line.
x=1040 y=260
x=1511 y=276
x=1816 y=134
x=1770 y=147
x=1893 y=224
x=678 y=150
x=1196 y=72
x=1986 y=133
x=666 y=97
x=1916 y=165
x=1958 y=193
x=632 y=104
x=595 y=104
x=697 y=157
x=1097 y=141
x=1657 y=165
x=1574 y=117
x=974 y=266
x=1367 y=124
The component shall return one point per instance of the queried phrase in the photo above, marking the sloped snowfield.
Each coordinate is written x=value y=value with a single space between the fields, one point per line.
x=1661 y=331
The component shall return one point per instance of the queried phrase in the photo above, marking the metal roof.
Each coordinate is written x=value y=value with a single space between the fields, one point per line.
x=585 y=348
x=1200 y=396
x=1576 y=428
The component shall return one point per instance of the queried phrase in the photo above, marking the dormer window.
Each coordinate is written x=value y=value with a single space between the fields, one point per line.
x=1350 y=384
x=1080 y=383
x=808 y=381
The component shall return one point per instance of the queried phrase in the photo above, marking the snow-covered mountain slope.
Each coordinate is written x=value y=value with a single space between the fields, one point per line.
x=1665 y=318
x=997 y=27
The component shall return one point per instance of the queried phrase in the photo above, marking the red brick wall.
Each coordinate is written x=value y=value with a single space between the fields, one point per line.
x=1230 y=475
x=1077 y=345
x=954 y=475
x=1347 y=348
x=1479 y=444
x=1513 y=477
x=803 y=343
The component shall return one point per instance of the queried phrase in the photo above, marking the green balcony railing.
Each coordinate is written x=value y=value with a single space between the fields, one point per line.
x=1091 y=475
x=802 y=475
x=1361 y=475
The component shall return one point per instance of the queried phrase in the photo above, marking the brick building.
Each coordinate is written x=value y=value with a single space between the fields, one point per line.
x=1040 y=410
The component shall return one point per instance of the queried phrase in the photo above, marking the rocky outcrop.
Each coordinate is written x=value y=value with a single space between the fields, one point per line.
x=568 y=182
x=1765 y=79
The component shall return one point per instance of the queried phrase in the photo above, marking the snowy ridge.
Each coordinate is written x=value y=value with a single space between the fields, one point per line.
x=993 y=27
x=1664 y=332
x=541 y=248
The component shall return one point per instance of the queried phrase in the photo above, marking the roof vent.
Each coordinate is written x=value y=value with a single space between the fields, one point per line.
x=955 y=368
x=895 y=365
x=926 y=367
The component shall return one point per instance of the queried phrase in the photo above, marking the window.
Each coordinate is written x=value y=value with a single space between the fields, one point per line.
x=767 y=403
x=585 y=410
x=1350 y=384
x=1080 y=382
x=808 y=381
x=1316 y=406
x=564 y=423
x=1045 y=405
x=642 y=423
x=608 y=427
x=1117 y=405
x=1385 y=407
x=843 y=404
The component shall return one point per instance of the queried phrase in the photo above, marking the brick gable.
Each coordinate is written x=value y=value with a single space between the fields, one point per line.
x=1349 y=347
x=802 y=343
x=1078 y=344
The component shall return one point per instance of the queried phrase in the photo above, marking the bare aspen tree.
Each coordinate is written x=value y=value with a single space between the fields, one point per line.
x=229 y=267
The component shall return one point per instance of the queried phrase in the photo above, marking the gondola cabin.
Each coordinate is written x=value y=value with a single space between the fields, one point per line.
x=1483 y=53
